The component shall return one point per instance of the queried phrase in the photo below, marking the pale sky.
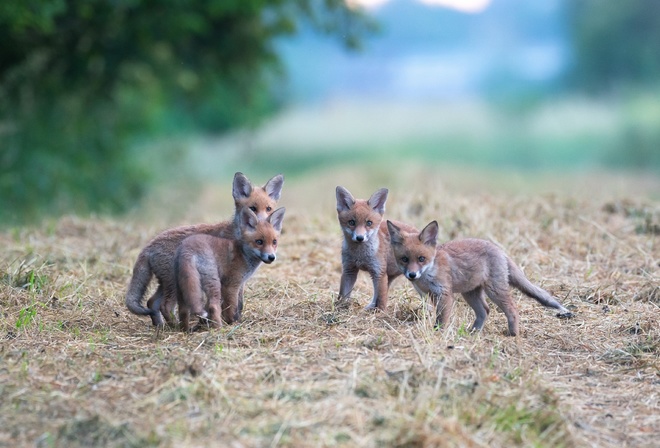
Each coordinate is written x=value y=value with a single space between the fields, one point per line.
x=470 y=6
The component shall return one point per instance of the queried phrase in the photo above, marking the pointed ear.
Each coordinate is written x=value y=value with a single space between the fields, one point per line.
x=242 y=188
x=248 y=219
x=377 y=200
x=345 y=199
x=276 y=218
x=395 y=233
x=429 y=235
x=274 y=187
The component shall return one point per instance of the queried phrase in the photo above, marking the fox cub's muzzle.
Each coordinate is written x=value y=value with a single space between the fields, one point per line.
x=413 y=275
x=361 y=235
x=268 y=258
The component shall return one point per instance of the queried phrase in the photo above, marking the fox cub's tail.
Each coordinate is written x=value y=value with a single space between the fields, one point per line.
x=518 y=280
x=138 y=286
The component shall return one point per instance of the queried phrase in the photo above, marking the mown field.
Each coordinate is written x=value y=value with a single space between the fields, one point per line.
x=77 y=369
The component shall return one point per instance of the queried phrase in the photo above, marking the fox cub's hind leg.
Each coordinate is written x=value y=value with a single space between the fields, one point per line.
x=154 y=304
x=168 y=302
x=477 y=301
x=230 y=303
x=502 y=298
x=213 y=290
x=192 y=285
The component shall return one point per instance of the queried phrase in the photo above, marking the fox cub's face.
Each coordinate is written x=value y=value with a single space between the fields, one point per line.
x=260 y=236
x=414 y=252
x=261 y=200
x=360 y=219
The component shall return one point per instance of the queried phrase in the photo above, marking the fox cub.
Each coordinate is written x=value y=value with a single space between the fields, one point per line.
x=471 y=267
x=157 y=258
x=219 y=267
x=366 y=245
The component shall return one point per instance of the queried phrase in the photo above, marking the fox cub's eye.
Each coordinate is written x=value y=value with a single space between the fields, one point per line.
x=253 y=208
x=404 y=259
x=259 y=242
x=274 y=242
x=421 y=259
x=369 y=223
x=269 y=209
x=351 y=222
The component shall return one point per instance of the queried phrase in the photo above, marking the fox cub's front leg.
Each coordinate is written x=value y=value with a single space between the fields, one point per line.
x=347 y=282
x=443 y=304
x=381 y=286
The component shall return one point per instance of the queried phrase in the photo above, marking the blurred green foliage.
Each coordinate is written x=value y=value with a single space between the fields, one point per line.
x=81 y=80
x=616 y=47
x=616 y=44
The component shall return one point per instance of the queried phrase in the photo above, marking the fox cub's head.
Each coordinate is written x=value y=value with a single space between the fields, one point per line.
x=261 y=200
x=360 y=219
x=414 y=252
x=259 y=236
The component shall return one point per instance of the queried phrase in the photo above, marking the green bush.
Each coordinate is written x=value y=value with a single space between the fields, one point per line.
x=82 y=80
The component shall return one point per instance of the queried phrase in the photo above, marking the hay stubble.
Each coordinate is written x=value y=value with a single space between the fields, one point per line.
x=78 y=369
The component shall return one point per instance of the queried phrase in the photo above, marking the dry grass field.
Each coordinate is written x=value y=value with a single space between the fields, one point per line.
x=77 y=369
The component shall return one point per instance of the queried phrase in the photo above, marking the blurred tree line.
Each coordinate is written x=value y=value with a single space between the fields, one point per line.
x=81 y=80
x=616 y=46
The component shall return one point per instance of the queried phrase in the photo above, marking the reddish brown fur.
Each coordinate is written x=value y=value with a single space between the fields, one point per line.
x=157 y=258
x=366 y=245
x=218 y=268
x=472 y=267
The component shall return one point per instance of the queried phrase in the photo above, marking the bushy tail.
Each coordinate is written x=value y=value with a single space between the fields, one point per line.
x=138 y=286
x=518 y=280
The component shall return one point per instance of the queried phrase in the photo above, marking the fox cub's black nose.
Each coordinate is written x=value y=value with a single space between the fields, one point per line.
x=359 y=237
x=271 y=257
x=412 y=275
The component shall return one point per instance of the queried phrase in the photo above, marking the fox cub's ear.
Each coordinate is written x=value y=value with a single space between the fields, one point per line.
x=248 y=219
x=242 y=188
x=276 y=218
x=395 y=233
x=273 y=187
x=345 y=199
x=378 y=199
x=429 y=235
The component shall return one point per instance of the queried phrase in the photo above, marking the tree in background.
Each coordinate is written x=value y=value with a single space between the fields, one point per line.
x=616 y=47
x=80 y=80
x=616 y=44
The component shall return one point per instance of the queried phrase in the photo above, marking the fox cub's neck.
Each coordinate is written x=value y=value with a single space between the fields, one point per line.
x=251 y=260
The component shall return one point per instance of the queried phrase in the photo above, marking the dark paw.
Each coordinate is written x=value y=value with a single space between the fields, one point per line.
x=567 y=315
x=200 y=326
